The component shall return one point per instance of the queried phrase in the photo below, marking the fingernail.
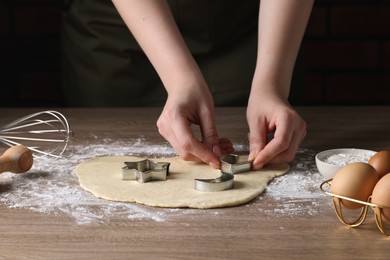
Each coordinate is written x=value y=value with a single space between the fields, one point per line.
x=257 y=167
x=217 y=150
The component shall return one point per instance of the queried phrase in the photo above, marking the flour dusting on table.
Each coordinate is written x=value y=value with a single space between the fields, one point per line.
x=52 y=187
x=297 y=192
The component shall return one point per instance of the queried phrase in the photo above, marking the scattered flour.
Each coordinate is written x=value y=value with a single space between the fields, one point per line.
x=52 y=187
x=297 y=193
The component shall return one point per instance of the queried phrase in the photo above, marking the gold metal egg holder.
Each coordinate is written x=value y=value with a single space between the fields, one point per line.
x=336 y=199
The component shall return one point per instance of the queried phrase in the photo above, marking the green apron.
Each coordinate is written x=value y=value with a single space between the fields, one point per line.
x=102 y=64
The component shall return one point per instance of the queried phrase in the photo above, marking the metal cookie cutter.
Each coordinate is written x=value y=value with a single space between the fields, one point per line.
x=232 y=163
x=145 y=171
x=224 y=182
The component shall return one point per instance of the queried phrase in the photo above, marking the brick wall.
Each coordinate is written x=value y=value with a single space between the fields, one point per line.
x=29 y=52
x=346 y=53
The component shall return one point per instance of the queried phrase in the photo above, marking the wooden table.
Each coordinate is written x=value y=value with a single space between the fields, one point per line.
x=239 y=233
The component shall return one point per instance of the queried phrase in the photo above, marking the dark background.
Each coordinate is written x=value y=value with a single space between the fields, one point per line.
x=346 y=53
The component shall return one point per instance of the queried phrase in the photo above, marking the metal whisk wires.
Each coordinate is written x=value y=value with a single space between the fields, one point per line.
x=46 y=133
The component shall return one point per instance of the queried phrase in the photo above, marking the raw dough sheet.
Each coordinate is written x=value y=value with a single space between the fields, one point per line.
x=102 y=176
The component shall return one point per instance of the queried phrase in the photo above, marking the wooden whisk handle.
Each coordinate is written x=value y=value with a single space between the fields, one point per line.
x=17 y=159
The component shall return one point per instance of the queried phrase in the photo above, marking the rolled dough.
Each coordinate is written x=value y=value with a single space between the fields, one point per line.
x=102 y=177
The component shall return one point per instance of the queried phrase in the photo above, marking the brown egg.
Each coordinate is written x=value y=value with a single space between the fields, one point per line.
x=381 y=196
x=355 y=181
x=381 y=162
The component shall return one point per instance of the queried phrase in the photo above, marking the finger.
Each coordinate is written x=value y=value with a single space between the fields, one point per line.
x=180 y=136
x=190 y=146
x=289 y=154
x=257 y=141
x=167 y=132
x=279 y=144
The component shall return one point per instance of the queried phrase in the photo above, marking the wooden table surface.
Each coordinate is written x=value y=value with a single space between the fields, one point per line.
x=239 y=233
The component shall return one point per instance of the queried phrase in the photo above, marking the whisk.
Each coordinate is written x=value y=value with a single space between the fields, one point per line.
x=45 y=133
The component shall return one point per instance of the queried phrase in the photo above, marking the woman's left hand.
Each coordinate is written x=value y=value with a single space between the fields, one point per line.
x=268 y=115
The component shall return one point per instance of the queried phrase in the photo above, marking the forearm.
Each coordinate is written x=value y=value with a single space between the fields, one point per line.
x=281 y=27
x=153 y=26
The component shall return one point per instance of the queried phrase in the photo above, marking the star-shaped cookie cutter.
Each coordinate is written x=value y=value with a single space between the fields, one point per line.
x=145 y=171
x=230 y=164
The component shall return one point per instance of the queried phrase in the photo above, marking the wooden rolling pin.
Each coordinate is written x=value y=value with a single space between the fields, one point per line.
x=17 y=159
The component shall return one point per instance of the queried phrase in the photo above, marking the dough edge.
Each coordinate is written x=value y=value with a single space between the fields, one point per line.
x=146 y=192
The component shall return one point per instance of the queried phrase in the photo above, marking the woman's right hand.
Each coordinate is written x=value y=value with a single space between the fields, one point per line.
x=189 y=99
x=185 y=107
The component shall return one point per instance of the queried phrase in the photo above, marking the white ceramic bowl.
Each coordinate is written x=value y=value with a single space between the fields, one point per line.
x=343 y=156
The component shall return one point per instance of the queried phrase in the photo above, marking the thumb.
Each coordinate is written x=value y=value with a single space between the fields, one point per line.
x=257 y=142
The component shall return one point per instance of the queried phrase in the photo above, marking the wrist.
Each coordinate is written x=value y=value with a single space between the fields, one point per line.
x=275 y=80
x=185 y=82
x=269 y=91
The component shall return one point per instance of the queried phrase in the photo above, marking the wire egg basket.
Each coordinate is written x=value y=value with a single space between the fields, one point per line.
x=337 y=205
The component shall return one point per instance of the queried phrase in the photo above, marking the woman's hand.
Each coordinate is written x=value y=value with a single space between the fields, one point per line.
x=268 y=115
x=184 y=107
x=281 y=28
x=189 y=100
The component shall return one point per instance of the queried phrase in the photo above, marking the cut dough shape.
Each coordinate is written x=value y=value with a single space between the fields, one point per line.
x=102 y=176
